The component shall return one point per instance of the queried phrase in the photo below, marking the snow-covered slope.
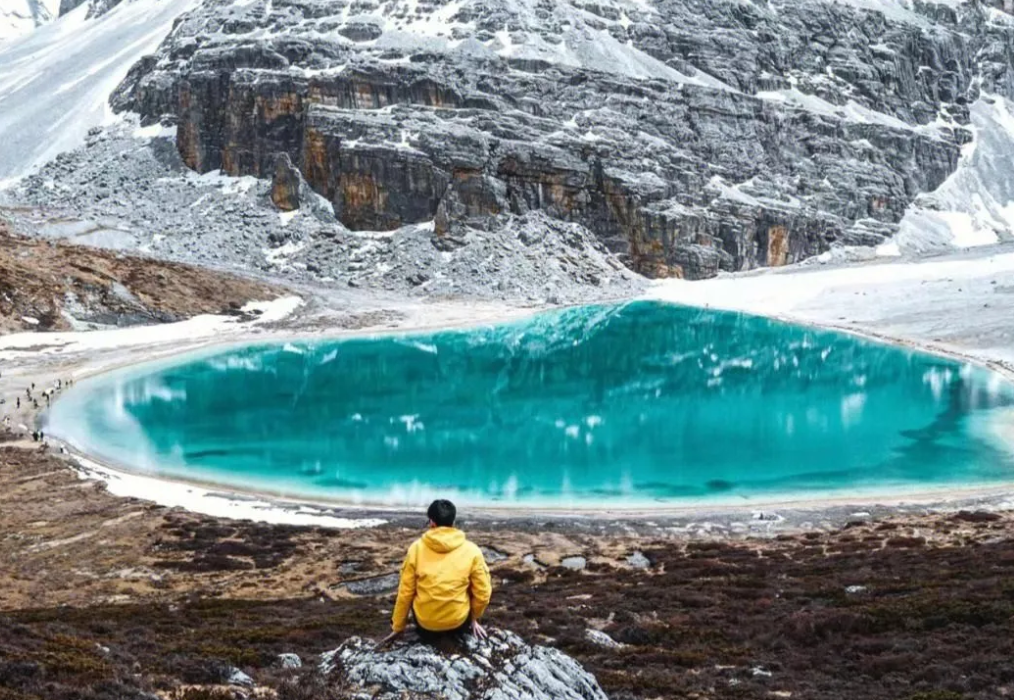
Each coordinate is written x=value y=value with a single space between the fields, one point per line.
x=55 y=83
x=20 y=17
x=975 y=206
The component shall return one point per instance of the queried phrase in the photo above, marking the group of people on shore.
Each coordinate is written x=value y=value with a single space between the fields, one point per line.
x=31 y=401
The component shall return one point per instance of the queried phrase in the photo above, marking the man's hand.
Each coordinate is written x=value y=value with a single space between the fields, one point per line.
x=386 y=641
x=478 y=630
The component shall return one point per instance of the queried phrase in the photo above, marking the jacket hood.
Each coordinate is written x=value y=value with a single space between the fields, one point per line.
x=443 y=539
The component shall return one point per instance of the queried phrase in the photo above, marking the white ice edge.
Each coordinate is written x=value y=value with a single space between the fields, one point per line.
x=229 y=501
x=219 y=503
x=168 y=493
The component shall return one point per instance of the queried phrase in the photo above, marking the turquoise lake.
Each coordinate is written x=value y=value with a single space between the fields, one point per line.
x=642 y=404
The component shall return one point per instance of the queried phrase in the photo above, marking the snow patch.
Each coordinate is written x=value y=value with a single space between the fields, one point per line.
x=975 y=205
x=781 y=293
x=277 y=256
x=409 y=26
x=851 y=111
x=154 y=131
x=21 y=17
x=899 y=10
x=197 y=499
x=227 y=183
x=194 y=329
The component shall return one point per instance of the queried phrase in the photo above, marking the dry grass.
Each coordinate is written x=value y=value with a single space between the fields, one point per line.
x=708 y=619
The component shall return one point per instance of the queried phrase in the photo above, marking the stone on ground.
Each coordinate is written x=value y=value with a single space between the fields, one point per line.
x=502 y=667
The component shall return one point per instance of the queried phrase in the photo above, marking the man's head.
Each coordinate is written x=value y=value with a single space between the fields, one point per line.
x=441 y=513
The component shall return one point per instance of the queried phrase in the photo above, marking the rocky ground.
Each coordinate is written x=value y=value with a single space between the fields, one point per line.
x=49 y=285
x=102 y=597
x=128 y=189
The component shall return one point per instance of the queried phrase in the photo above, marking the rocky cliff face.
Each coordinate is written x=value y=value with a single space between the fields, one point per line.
x=689 y=136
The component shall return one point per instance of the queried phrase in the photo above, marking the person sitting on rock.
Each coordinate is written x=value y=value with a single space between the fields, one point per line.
x=445 y=582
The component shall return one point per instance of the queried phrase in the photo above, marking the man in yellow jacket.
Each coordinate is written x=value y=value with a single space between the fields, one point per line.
x=444 y=580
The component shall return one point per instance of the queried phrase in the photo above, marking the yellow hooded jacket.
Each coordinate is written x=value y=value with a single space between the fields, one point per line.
x=443 y=579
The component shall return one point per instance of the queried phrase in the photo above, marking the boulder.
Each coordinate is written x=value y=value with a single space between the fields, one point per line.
x=576 y=563
x=639 y=561
x=290 y=661
x=502 y=667
x=599 y=638
x=237 y=677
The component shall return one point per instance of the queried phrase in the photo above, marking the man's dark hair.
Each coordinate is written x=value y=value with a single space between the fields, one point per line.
x=442 y=513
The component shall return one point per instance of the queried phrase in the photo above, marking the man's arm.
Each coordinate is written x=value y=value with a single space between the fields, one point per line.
x=406 y=592
x=480 y=585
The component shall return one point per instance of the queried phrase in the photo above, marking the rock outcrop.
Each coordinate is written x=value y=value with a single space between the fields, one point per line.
x=502 y=667
x=285 y=184
x=689 y=136
x=142 y=197
x=96 y=8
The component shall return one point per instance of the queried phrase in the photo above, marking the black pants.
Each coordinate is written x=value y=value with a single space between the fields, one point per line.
x=431 y=637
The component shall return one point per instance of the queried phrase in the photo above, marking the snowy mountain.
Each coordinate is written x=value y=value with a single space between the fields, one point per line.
x=687 y=136
x=55 y=82
x=21 y=17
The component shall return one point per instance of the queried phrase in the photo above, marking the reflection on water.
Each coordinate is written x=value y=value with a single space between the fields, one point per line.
x=637 y=402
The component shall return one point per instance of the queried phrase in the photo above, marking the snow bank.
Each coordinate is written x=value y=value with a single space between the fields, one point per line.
x=975 y=205
x=196 y=328
x=782 y=292
x=197 y=499
x=55 y=83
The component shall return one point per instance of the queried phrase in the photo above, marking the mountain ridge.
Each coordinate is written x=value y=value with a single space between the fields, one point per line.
x=690 y=137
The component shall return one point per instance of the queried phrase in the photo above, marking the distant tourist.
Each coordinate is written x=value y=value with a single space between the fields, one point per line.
x=445 y=582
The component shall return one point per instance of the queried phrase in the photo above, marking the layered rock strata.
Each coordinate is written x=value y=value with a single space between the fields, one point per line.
x=689 y=136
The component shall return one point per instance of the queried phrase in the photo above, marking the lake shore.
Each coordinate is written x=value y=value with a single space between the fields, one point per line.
x=880 y=598
x=830 y=293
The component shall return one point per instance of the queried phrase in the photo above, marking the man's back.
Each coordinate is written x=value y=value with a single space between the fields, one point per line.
x=444 y=580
